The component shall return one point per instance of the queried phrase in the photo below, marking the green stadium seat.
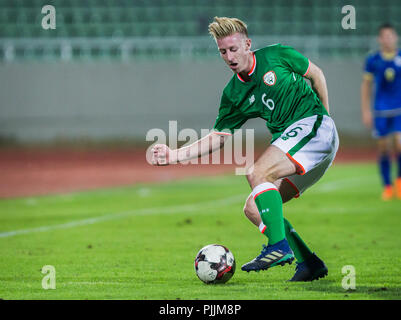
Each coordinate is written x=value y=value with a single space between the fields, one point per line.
x=116 y=32
x=152 y=14
x=323 y=28
x=159 y=18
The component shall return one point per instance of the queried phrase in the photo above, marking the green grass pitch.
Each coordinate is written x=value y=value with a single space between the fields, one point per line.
x=140 y=242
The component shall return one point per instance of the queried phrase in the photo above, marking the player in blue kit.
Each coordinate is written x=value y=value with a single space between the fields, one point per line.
x=383 y=68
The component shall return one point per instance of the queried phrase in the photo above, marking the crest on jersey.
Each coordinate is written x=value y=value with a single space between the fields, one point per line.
x=389 y=74
x=269 y=78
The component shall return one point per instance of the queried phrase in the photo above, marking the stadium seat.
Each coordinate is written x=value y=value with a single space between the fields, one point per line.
x=164 y=18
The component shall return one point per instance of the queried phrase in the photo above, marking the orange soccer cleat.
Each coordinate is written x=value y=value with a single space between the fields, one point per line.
x=398 y=187
x=387 y=193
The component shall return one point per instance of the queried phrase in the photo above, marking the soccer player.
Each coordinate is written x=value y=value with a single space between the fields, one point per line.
x=269 y=83
x=384 y=69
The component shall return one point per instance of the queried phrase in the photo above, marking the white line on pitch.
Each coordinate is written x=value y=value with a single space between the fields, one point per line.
x=323 y=188
x=121 y=215
x=91 y=283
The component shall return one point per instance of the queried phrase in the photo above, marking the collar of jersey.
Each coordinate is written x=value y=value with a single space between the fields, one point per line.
x=388 y=56
x=252 y=69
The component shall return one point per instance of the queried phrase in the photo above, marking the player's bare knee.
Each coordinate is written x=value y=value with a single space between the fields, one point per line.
x=383 y=146
x=398 y=143
x=260 y=175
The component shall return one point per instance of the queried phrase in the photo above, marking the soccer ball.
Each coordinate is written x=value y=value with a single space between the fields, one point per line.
x=214 y=264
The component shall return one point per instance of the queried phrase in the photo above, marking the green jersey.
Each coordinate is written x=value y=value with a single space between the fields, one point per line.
x=277 y=92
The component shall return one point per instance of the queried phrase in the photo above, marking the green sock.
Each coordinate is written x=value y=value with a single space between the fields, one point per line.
x=270 y=206
x=301 y=250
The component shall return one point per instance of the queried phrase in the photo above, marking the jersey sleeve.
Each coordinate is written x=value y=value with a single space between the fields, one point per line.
x=368 y=68
x=294 y=60
x=228 y=118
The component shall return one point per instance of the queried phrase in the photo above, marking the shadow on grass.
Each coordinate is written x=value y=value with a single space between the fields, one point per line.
x=371 y=292
x=330 y=286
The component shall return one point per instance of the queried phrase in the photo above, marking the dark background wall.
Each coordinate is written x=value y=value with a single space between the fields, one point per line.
x=112 y=100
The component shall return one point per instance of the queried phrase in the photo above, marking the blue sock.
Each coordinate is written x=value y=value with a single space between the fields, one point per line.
x=399 y=164
x=385 y=168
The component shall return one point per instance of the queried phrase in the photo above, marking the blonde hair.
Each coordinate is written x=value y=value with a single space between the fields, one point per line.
x=223 y=27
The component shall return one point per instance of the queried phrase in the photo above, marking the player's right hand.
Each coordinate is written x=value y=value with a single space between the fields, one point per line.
x=160 y=155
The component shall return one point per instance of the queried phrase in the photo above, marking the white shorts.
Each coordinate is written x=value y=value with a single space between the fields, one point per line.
x=311 y=144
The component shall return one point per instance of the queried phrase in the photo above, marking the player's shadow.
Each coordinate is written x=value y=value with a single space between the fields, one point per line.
x=373 y=292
